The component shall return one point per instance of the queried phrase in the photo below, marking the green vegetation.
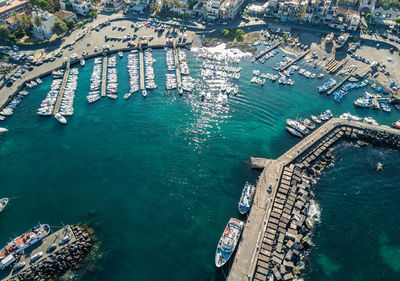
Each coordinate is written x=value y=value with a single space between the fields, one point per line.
x=4 y=32
x=71 y=24
x=43 y=4
x=59 y=27
x=38 y=21
x=395 y=4
x=397 y=20
x=285 y=36
x=233 y=35
x=92 y=14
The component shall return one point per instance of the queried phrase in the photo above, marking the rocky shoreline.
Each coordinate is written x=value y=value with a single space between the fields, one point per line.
x=57 y=263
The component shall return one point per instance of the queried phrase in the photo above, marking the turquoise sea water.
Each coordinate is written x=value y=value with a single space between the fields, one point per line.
x=158 y=178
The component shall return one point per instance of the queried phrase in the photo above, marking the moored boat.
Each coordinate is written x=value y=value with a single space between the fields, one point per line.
x=60 y=118
x=3 y=130
x=246 y=200
x=228 y=241
x=316 y=119
x=144 y=93
x=396 y=124
x=3 y=203
x=82 y=62
x=294 y=132
x=22 y=242
x=127 y=96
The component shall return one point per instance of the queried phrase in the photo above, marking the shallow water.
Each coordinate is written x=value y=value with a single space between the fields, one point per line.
x=158 y=178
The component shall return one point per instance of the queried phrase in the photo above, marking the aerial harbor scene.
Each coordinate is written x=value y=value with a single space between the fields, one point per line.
x=199 y=140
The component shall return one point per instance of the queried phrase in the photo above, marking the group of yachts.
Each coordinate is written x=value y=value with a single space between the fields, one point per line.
x=47 y=107
x=95 y=81
x=112 y=78
x=149 y=75
x=133 y=71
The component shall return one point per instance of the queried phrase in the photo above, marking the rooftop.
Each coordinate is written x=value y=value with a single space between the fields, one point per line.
x=63 y=14
x=12 y=6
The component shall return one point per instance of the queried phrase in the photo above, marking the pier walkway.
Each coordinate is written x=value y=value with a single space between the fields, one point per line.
x=273 y=234
x=338 y=85
x=267 y=50
x=141 y=69
x=62 y=89
x=104 y=77
x=177 y=68
x=299 y=57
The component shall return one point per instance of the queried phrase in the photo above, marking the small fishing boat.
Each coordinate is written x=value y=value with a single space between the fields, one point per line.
x=38 y=80
x=294 y=132
x=3 y=203
x=246 y=199
x=120 y=54
x=396 y=124
x=180 y=90
x=82 y=62
x=370 y=120
x=112 y=96
x=127 y=95
x=144 y=93
x=320 y=76
x=202 y=95
x=236 y=90
x=316 y=119
x=3 y=130
x=228 y=241
x=60 y=118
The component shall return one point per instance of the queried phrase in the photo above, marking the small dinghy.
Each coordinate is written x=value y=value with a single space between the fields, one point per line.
x=127 y=96
x=3 y=203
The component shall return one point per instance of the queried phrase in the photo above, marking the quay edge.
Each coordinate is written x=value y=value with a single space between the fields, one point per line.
x=277 y=227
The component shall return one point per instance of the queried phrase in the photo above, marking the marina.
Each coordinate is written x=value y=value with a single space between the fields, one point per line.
x=62 y=89
x=104 y=77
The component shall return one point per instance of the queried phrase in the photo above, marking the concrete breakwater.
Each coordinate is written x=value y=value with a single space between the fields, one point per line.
x=58 y=255
x=277 y=233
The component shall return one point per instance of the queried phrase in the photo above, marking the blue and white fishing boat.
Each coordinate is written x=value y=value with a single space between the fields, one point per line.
x=246 y=200
x=228 y=241
x=326 y=86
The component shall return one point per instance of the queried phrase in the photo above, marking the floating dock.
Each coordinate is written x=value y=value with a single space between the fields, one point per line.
x=338 y=85
x=53 y=262
x=277 y=227
x=62 y=89
x=299 y=57
x=177 y=68
x=141 y=70
x=267 y=50
x=104 y=77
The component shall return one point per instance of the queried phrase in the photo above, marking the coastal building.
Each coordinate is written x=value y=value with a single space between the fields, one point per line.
x=7 y=7
x=344 y=19
x=317 y=11
x=257 y=9
x=66 y=15
x=229 y=9
x=43 y=31
x=367 y=6
x=212 y=8
x=81 y=7
x=290 y=10
x=113 y=5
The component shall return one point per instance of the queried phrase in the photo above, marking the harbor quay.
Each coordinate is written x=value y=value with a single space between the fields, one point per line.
x=62 y=250
x=278 y=228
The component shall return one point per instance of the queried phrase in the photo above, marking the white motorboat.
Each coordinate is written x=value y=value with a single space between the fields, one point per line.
x=3 y=130
x=127 y=96
x=3 y=203
x=144 y=93
x=82 y=62
x=236 y=90
x=180 y=90
x=60 y=118
x=120 y=54
x=112 y=96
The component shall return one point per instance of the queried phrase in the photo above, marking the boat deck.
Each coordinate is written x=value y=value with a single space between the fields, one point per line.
x=42 y=246
x=104 y=77
x=62 y=89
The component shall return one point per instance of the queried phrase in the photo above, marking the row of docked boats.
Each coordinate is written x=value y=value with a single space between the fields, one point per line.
x=149 y=70
x=67 y=100
x=303 y=126
x=133 y=70
x=47 y=106
x=327 y=86
x=346 y=88
x=374 y=101
x=33 y=83
x=12 y=105
x=233 y=230
x=171 y=82
x=112 y=78
x=95 y=81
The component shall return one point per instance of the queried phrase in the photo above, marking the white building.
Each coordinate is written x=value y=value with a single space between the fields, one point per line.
x=43 y=31
x=81 y=7
x=113 y=5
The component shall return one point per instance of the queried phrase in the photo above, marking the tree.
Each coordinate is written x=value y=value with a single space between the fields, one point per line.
x=285 y=36
x=92 y=14
x=397 y=20
x=155 y=7
x=4 y=32
x=239 y=34
x=71 y=24
x=37 y=20
x=395 y=4
x=19 y=33
x=25 y=22
x=59 y=27
x=368 y=16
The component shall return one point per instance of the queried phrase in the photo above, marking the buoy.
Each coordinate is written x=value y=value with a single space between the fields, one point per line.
x=379 y=167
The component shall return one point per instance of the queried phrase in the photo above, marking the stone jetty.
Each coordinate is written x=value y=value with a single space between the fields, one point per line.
x=58 y=257
x=277 y=231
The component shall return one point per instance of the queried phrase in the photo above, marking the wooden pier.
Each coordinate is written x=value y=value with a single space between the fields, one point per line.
x=299 y=57
x=267 y=50
x=62 y=88
x=274 y=233
x=141 y=70
x=338 y=85
x=104 y=77
x=177 y=68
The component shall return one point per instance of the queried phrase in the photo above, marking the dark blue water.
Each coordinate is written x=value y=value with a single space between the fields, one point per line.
x=158 y=178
